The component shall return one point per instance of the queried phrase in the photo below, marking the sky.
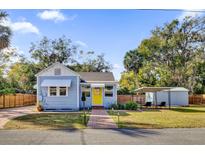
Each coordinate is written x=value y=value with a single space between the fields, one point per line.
x=112 y=32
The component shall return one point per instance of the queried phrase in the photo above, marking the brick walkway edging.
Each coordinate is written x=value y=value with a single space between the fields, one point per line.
x=99 y=118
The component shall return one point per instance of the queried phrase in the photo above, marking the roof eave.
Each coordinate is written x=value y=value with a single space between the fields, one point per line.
x=101 y=81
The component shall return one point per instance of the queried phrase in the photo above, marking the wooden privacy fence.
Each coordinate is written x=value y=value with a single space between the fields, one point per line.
x=17 y=100
x=123 y=99
x=197 y=99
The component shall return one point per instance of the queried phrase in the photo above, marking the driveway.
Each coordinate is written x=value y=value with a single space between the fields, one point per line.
x=105 y=136
x=6 y=114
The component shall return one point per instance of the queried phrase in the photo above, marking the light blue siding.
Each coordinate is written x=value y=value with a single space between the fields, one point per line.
x=107 y=101
x=70 y=102
x=58 y=102
x=88 y=102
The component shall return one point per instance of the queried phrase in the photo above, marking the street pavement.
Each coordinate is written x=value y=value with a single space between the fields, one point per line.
x=193 y=136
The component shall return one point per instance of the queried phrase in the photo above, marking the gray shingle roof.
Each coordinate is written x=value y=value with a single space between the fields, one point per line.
x=97 y=76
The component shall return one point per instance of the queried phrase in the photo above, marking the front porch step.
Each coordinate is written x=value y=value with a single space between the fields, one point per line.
x=98 y=107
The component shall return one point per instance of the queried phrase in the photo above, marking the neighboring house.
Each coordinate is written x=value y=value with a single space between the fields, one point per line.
x=176 y=96
x=60 y=88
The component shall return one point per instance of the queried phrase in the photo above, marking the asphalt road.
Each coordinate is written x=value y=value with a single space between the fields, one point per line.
x=104 y=136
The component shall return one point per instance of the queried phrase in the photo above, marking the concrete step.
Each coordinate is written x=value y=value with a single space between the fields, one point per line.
x=97 y=107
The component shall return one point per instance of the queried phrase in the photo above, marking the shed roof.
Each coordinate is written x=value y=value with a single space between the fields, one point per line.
x=178 y=89
x=97 y=76
x=156 y=89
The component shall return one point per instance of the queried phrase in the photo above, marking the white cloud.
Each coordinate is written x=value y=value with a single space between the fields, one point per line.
x=81 y=43
x=54 y=15
x=116 y=66
x=21 y=26
x=24 y=27
x=189 y=13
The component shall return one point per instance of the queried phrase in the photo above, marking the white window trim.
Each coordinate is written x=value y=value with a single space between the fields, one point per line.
x=63 y=95
x=49 y=92
x=112 y=90
x=58 y=92
x=86 y=90
x=78 y=92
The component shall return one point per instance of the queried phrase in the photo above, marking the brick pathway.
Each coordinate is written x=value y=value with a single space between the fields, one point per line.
x=100 y=119
x=7 y=114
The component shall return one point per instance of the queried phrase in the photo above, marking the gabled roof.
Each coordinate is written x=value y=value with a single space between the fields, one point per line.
x=97 y=76
x=86 y=76
x=54 y=64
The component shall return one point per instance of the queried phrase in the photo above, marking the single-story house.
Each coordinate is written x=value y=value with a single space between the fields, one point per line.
x=60 y=88
x=173 y=96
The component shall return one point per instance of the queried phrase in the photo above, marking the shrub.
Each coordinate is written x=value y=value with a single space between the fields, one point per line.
x=118 y=106
x=121 y=106
x=7 y=91
x=131 y=106
x=114 y=106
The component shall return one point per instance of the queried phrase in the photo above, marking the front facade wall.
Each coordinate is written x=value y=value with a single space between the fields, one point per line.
x=59 y=102
x=107 y=101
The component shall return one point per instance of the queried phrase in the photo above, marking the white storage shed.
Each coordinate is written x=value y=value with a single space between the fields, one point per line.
x=173 y=96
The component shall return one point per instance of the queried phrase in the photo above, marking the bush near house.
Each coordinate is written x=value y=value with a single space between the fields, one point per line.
x=7 y=91
x=131 y=106
x=128 y=106
x=118 y=106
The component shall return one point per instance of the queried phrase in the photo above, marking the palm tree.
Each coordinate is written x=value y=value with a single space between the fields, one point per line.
x=5 y=31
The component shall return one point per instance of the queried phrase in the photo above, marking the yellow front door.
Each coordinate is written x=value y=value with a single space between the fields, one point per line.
x=97 y=98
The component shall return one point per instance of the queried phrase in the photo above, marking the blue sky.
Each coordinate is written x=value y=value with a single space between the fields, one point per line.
x=112 y=32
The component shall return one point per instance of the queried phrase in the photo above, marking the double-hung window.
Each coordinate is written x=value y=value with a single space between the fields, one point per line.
x=86 y=90
x=62 y=91
x=58 y=91
x=53 y=91
x=108 y=91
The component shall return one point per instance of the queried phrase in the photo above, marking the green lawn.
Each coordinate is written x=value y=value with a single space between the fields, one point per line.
x=47 y=121
x=178 y=117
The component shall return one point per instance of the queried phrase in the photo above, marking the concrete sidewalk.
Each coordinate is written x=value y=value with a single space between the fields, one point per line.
x=7 y=114
x=100 y=119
